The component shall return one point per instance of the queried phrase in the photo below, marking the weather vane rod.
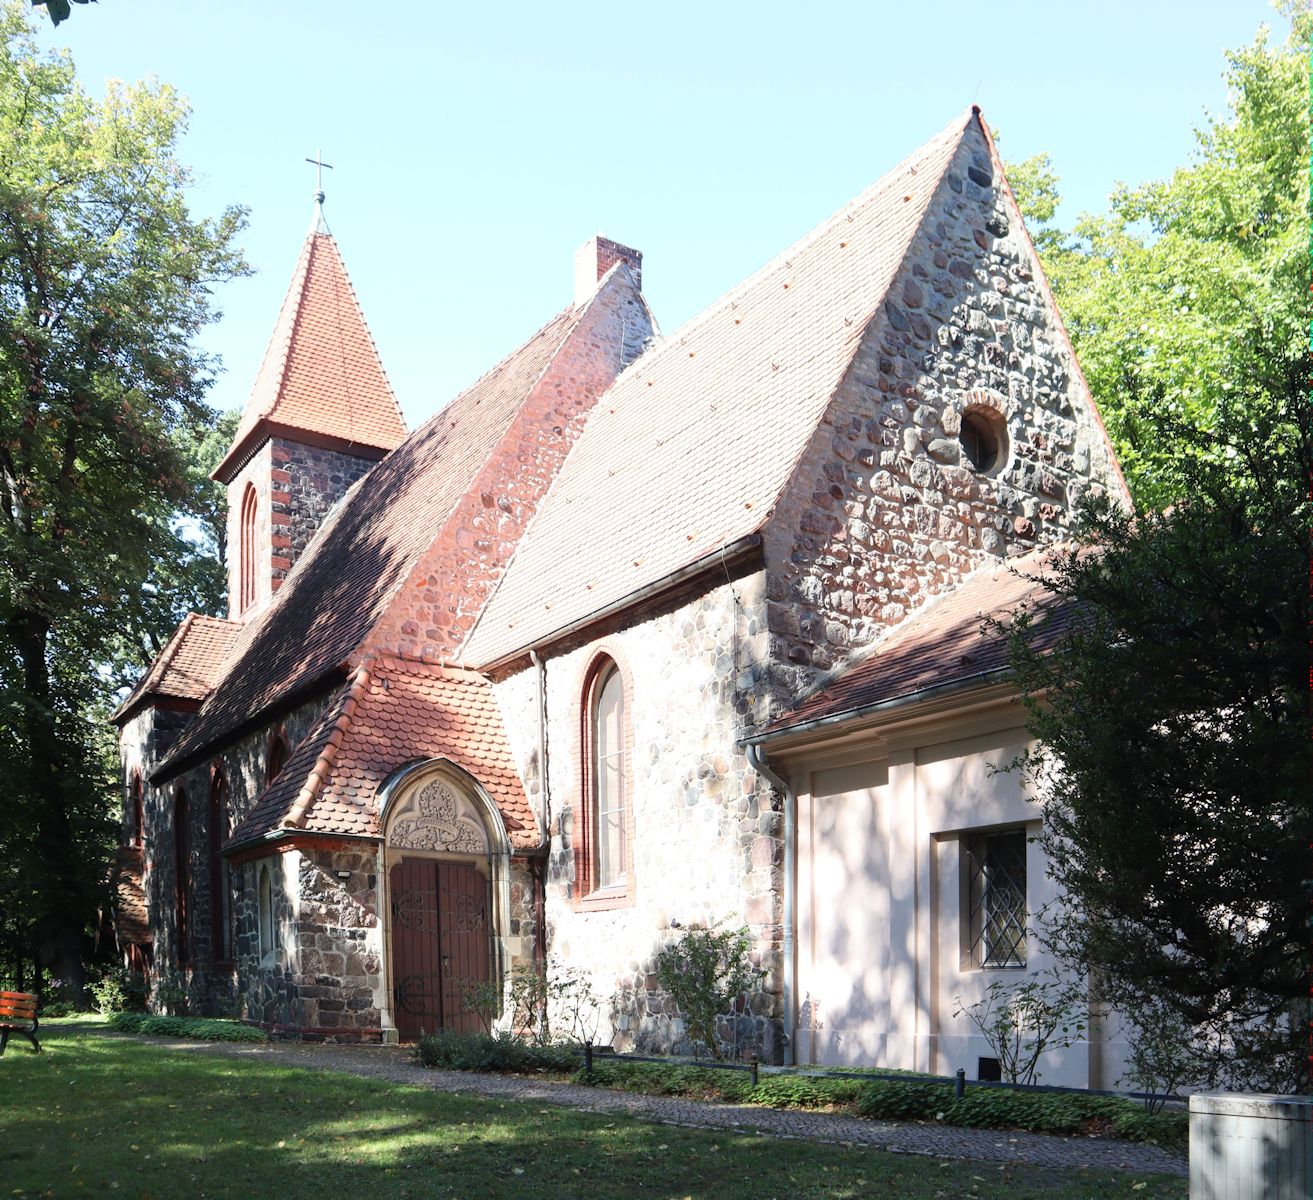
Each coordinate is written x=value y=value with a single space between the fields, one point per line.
x=318 y=163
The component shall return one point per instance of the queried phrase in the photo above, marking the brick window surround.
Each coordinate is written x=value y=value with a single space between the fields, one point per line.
x=246 y=550
x=137 y=810
x=605 y=667
x=217 y=828
x=275 y=758
x=182 y=872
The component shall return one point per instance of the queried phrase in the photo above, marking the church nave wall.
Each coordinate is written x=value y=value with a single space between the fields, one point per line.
x=706 y=839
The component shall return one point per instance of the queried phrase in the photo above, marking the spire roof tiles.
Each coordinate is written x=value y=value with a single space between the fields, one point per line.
x=321 y=374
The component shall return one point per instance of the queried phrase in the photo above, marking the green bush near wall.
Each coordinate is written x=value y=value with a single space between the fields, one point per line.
x=202 y=1028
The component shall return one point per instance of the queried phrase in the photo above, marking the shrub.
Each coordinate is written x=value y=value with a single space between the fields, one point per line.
x=493 y=1052
x=677 y=1079
x=1060 y=1113
x=1021 y=1020
x=893 y=1099
x=202 y=1028
x=1165 y=1050
x=793 y=1091
x=705 y=972
x=117 y=990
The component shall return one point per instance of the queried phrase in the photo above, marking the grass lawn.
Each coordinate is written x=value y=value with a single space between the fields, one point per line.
x=103 y=1116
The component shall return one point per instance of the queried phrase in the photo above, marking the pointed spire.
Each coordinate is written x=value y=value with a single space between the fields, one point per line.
x=321 y=380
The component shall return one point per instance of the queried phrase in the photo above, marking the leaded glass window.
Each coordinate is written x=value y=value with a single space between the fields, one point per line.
x=996 y=899
x=611 y=808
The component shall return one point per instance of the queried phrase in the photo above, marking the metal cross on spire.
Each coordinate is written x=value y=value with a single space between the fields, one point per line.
x=318 y=163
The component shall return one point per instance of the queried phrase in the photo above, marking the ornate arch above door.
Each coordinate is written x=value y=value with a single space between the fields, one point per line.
x=437 y=816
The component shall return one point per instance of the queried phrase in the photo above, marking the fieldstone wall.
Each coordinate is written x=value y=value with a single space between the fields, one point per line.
x=295 y=486
x=304 y=484
x=198 y=983
x=707 y=831
x=266 y=977
x=339 y=975
x=884 y=510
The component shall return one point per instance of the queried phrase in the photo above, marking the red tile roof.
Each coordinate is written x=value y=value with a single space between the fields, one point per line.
x=693 y=445
x=944 y=643
x=364 y=550
x=321 y=373
x=130 y=918
x=393 y=712
x=188 y=667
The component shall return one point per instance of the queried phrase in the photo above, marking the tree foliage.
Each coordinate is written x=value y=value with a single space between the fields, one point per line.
x=59 y=10
x=1190 y=293
x=105 y=280
x=1174 y=722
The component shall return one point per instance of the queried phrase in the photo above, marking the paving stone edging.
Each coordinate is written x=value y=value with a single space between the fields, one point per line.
x=395 y=1065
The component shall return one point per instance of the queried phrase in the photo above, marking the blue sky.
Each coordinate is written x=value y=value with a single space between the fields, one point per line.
x=475 y=147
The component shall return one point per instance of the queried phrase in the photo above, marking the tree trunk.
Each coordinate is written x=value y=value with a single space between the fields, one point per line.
x=55 y=874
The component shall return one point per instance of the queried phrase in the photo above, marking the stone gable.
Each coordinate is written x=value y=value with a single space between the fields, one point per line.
x=883 y=509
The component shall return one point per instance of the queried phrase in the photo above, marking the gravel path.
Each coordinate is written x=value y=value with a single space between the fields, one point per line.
x=396 y=1065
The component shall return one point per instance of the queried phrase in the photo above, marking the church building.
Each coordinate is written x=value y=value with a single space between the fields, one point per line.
x=639 y=631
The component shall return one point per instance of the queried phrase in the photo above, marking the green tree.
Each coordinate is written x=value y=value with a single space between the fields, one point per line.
x=1191 y=292
x=105 y=279
x=1174 y=719
x=186 y=568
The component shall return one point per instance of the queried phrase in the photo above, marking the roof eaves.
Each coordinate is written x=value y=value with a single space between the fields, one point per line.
x=887 y=704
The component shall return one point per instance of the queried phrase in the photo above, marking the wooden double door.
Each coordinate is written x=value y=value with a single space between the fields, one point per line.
x=441 y=944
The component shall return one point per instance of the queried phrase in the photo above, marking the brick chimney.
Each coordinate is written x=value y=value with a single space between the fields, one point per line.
x=595 y=258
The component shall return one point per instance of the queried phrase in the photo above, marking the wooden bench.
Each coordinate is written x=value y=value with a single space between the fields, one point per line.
x=18 y=1015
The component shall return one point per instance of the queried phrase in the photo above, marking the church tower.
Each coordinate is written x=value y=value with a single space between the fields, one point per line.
x=320 y=415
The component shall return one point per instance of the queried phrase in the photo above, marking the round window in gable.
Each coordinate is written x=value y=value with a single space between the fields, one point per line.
x=984 y=441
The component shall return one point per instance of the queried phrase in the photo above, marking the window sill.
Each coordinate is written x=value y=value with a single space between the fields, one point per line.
x=619 y=895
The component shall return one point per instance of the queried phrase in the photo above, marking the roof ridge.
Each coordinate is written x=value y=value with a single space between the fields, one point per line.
x=569 y=310
x=415 y=666
x=159 y=666
x=814 y=234
x=961 y=123
x=572 y=317
x=297 y=285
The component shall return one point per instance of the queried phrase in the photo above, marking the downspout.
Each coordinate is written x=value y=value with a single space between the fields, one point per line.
x=544 y=795
x=544 y=815
x=757 y=758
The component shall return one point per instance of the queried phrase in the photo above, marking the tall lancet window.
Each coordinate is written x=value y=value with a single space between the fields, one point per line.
x=246 y=551
x=610 y=801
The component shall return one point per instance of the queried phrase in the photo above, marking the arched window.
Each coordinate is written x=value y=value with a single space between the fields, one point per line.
x=604 y=853
x=246 y=550
x=266 y=911
x=276 y=758
x=218 y=829
x=136 y=811
x=182 y=870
